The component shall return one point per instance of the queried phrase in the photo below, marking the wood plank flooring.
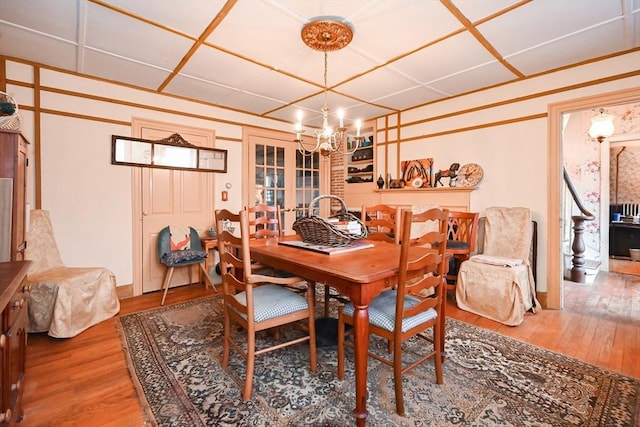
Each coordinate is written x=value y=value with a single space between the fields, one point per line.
x=84 y=381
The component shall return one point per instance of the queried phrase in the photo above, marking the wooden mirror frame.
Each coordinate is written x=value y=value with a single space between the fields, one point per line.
x=129 y=151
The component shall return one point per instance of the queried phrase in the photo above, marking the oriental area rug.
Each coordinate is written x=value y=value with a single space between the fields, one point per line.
x=174 y=355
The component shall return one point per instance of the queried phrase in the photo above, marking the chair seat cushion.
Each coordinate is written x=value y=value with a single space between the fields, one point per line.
x=457 y=244
x=176 y=258
x=454 y=244
x=271 y=301
x=382 y=312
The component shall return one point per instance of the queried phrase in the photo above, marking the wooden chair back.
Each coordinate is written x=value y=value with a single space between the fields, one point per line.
x=382 y=222
x=418 y=276
x=461 y=241
x=463 y=227
x=233 y=259
x=264 y=221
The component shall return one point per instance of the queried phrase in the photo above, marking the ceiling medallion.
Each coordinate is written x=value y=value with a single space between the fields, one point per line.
x=326 y=33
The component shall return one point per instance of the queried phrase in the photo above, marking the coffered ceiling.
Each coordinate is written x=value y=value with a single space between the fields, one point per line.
x=248 y=55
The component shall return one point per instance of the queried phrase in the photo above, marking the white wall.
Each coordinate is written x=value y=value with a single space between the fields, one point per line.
x=513 y=149
x=90 y=199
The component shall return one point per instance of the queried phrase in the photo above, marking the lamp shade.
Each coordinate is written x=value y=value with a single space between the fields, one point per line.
x=601 y=126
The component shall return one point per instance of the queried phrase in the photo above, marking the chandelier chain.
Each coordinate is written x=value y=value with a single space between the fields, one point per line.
x=325 y=34
x=326 y=66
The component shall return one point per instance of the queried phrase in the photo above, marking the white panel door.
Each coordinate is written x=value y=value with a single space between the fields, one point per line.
x=171 y=197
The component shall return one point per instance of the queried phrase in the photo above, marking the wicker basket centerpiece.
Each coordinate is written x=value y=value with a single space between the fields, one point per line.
x=321 y=231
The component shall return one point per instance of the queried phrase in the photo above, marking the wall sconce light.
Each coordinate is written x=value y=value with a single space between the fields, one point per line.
x=601 y=126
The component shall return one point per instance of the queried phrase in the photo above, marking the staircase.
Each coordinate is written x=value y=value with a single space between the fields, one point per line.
x=579 y=265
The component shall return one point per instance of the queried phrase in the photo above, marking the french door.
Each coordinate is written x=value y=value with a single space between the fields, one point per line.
x=279 y=175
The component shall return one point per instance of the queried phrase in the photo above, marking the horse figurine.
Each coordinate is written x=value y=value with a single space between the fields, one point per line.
x=451 y=173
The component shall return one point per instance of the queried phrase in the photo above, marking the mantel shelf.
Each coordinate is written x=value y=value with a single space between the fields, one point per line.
x=452 y=198
x=428 y=189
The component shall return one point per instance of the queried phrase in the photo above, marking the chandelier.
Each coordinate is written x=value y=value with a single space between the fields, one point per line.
x=601 y=126
x=325 y=34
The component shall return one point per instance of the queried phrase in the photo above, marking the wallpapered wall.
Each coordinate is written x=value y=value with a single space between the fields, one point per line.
x=583 y=164
x=624 y=160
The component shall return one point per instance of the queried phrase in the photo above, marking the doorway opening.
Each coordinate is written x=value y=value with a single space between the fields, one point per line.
x=555 y=258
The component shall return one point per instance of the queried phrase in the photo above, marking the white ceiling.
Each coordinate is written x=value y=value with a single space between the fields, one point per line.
x=404 y=52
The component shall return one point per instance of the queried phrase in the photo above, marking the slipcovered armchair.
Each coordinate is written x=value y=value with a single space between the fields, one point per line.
x=64 y=300
x=499 y=283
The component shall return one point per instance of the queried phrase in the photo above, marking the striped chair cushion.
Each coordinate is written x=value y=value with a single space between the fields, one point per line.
x=271 y=301
x=382 y=312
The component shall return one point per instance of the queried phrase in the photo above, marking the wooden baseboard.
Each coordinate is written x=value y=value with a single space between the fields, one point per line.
x=124 y=291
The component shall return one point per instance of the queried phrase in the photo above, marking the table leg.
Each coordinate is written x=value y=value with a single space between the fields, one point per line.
x=361 y=344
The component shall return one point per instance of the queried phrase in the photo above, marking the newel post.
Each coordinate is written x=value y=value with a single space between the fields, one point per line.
x=577 y=271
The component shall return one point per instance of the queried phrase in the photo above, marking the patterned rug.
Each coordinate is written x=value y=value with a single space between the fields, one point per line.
x=489 y=379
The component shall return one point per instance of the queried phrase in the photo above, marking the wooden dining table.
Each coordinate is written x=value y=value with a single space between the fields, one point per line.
x=360 y=275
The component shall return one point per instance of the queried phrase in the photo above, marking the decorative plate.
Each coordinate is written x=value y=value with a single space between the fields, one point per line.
x=470 y=175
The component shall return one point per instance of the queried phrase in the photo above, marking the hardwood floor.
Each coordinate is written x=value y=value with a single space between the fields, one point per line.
x=84 y=381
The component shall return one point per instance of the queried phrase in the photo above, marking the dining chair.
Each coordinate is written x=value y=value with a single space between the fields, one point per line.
x=461 y=242
x=265 y=223
x=257 y=302
x=499 y=282
x=412 y=307
x=382 y=222
x=180 y=246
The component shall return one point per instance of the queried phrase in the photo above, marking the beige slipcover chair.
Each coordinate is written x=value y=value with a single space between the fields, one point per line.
x=64 y=300
x=499 y=283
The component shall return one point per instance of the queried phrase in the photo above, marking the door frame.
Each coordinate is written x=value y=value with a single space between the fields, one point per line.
x=555 y=260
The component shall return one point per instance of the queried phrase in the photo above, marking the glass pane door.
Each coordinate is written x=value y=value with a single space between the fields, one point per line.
x=280 y=176
x=307 y=181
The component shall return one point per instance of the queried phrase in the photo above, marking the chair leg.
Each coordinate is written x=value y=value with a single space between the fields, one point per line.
x=340 y=344
x=311 y=296
x=437 y=348
x=167 y=281
x=251 y=354
x=397 y=375
x=227 y=338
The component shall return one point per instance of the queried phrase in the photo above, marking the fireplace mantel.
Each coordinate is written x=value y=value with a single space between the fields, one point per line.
x=452 y=198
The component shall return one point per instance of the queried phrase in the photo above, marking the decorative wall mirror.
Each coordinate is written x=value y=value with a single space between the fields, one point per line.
x=173 y=152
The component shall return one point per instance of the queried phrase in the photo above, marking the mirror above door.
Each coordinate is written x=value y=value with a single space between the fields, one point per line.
x=173 y=152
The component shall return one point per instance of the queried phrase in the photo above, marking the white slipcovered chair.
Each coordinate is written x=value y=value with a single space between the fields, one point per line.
x=499 y=283
x=64 y=300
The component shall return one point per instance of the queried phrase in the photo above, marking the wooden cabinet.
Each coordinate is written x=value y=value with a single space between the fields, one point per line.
x=622 y=237
x=13 y=341
x=13 y=195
